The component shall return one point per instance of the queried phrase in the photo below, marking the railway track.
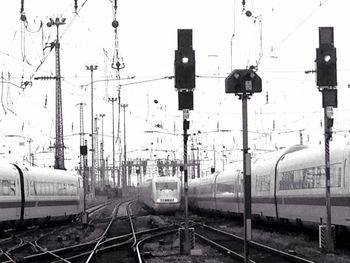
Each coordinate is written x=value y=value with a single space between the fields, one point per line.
x=232 y=245
x=18 y=246
x=120 y=242
x=119 y=236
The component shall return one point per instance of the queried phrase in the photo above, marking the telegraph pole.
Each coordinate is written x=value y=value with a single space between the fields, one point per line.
x=59 y=144
x=113 y=142
x=124 y=183
x=92 y=68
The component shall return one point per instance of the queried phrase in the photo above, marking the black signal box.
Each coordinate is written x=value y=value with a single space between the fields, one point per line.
x=185 y=100
x=185 y=70
x=83 y=150
x=329 y=98
x=243 y=81
x=326 y=59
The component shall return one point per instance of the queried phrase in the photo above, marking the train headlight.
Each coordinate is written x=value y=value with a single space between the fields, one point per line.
x=175 y=200
x=158 y=200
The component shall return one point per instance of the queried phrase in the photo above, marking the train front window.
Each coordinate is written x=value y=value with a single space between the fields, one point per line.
x=160 y=186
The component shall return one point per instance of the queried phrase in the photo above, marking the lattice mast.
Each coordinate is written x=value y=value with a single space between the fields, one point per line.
x=59 y=144
x=117 y=64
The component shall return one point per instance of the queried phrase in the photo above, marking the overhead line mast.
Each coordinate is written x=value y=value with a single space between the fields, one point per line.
x=118 y=65
x=59 y=144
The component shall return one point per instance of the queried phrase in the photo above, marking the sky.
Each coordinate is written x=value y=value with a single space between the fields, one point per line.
x=280 y=38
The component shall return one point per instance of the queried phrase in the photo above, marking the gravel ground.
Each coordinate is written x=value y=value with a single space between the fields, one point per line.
x=301 y=244
x=169 y=251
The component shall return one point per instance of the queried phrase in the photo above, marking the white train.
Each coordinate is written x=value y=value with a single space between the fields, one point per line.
x=30 y=195
x=287 y=185
x=161 y=194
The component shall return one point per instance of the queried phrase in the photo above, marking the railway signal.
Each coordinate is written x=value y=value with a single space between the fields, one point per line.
x=326 y=80
x=243 y=83
x=326 y=59
x=185 y=82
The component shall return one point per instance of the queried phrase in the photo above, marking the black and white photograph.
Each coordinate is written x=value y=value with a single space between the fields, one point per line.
x=175 y=131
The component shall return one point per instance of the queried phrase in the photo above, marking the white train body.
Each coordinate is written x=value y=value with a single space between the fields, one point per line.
x=161 y=194
x=30 y=195
x=287 y=185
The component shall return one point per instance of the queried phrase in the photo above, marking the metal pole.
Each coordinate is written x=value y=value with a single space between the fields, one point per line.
x=102 y=155
x=124 y=182
x=92 y=68
x=214 y=156
x=247 y=179
x=85 y=185
x=59 y=143
x=113 y=144
x=97 y=160
x=113 y=140
x=198 y=164
x=31 y=161
x=187 y=246
x=329 y=239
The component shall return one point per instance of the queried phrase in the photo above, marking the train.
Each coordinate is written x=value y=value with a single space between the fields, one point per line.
x=161 y=195
x=31 y=195
x=287 y=186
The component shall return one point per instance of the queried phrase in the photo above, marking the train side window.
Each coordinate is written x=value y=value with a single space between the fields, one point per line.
x=38 y=188
x=32 y=188
x=45 y=188
x=263 y=183
x=336 y=175
x=54 y=189
x=4 y=187
x=8 y=187
x=12 y=187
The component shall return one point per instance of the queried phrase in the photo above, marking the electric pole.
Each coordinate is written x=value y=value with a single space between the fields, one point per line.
x=59 y=144
x=92 y=68
x=124 y=183
x=81 y=134
x=102 y=171
x=83 y=154
x=113 y=142
x=97 y=159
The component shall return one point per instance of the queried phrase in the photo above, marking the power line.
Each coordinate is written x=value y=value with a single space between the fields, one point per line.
x=297 y=27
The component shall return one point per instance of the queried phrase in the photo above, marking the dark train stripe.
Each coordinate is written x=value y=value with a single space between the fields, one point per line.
x=314 y=201
x=10 y=204
x=23 y=198
x=58 y=203
x=39 y=203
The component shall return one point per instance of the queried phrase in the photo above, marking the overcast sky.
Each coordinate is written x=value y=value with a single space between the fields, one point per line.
x=280 y=38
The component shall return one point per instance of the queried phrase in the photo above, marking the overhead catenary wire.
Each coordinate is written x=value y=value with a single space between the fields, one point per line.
x=296 y=28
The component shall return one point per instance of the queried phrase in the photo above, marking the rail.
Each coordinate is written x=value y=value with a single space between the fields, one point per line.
x=226 y=245
x=104 y=235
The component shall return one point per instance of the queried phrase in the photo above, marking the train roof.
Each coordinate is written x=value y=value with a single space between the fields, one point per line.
x=229 y=174
x=7 y=170
x=310 y=157
x=49 y=175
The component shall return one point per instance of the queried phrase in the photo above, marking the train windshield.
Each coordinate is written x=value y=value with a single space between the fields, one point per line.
x=160 y=186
